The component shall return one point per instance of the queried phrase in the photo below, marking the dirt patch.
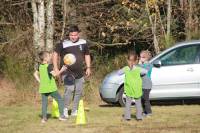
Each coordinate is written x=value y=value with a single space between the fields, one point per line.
x=7 y=91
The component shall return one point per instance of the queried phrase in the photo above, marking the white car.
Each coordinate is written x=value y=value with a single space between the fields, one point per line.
x=176 y=74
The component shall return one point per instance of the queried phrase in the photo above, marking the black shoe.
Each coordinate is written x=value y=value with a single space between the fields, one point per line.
x=125 y=120
x=139 y=119
x=146 y=114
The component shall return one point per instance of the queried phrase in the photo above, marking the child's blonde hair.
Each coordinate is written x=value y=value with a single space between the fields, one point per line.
x=146 y=53
x=42 y=55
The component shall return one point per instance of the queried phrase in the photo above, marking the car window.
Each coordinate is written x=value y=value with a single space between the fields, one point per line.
x=181 y=55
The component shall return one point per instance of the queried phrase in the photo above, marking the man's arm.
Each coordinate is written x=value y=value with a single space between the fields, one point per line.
x=55 y=63
x=88 y=65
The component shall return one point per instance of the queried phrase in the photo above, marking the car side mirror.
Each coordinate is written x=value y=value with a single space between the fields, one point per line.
x=157 y=63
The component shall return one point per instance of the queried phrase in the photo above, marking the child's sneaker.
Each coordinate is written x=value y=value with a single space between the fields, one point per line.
x=44 y=120
x=139 y=119
x=146 y=114
x=62 y=118
x=66 y=113
x=127 y=119
x=74 y=113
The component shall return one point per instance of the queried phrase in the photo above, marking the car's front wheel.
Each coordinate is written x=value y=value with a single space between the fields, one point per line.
x=122 y=97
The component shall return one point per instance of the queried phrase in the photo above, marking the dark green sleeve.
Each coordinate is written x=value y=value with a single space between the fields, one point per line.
x=50 y=68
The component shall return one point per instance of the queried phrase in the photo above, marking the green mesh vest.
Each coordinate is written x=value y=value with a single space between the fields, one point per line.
x=133 y=82
x=47 y=84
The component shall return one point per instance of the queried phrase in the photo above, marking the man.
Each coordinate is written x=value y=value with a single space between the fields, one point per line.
x=73 y=77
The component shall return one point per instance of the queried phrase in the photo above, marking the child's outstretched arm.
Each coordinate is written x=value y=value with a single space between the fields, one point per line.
x=120 y=71
x=36 y=75
x=64 y=68
x=143 y=72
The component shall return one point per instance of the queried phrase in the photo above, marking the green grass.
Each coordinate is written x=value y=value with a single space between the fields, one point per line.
x=107 y=119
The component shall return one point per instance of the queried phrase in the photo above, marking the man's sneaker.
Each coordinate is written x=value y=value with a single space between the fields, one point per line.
x=44 y=120
x=63 y=118
x=66 y=113
x=74 y=113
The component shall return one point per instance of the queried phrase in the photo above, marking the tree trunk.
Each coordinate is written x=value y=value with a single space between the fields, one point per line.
x=189 y=21
x=38 y=24
x=159 y=18
x=153 y=29
x=182 y=4
x=168 y=21
x=41 y=21
x=35 y=24
x=196 y=24
x=66 y=11
x=155 y=40
x=50 y=25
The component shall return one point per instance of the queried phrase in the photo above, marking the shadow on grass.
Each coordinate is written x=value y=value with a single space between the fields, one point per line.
x=176 y=102
x=49 y=115
x=163 y=103
x=109 y=105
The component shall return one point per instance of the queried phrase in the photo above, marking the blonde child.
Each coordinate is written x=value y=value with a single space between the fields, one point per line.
x=145 y=56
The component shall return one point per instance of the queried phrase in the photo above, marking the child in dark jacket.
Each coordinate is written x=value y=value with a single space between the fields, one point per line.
x=145 y=55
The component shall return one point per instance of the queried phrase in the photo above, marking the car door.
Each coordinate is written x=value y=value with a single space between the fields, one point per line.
x=179 y=73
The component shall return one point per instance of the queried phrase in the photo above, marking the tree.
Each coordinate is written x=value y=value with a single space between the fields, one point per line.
x=189 y=20
x=153 y=27
x=38 y=24
x=43 y=32
x=66 y=10
x=168 y=21
x=49 y=25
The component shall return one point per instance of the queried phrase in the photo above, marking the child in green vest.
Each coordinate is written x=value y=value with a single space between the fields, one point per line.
x=133 y=85
x=44 y=75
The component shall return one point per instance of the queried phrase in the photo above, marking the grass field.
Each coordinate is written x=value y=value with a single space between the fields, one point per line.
x=102 y=119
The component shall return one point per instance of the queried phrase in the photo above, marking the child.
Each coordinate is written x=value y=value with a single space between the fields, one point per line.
x=133 y=85
x=145 y=55
x=48 y=85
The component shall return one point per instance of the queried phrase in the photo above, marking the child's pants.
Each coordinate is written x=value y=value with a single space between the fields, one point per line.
x=78 y=88
x=57 y=97
x=146 y=102
x=138 y=107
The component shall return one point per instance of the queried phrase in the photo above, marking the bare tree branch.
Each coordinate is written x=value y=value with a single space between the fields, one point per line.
x=20 y=3
x=12 y=24
x=98 y=3
x=99 y=44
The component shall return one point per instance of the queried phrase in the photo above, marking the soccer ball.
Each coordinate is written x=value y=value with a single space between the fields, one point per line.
x=69 y=59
